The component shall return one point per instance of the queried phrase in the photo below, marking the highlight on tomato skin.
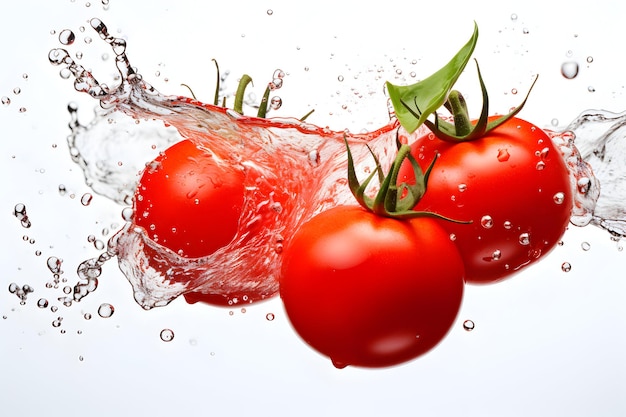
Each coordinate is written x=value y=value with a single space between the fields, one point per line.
x=512 y=184
x=189 y=202
x=371 y=291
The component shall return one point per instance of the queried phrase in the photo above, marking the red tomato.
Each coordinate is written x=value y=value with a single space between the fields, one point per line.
x=371 y=291
x=512 y=184
x=188 y=201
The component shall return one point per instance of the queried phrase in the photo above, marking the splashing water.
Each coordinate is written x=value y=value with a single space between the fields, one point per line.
x=304 y=165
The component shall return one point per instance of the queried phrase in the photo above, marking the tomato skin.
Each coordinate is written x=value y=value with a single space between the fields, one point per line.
x=188 y=202
x=512 y=184
x=371 y=291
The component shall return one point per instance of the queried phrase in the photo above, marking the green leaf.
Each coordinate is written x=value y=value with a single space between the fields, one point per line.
x=414 y=103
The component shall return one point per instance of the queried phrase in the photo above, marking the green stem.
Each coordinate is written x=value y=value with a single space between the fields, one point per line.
x=241 y=89
x=458 y=108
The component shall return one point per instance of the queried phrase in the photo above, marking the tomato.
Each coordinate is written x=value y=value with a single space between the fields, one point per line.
x=188 y=201
x=371 y=291
x=512 y=184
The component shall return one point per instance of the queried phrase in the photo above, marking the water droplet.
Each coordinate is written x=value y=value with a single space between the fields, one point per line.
x=452 y=237
x=468 y=325
x=513 y=16
x=566 y=267
x=80 y=358
x=54 y=264
x=57 y=322
x=270 y=12
x=462 y=188
x=486 y=222
x=269 y=316
x=540 y=165
x=569 y=69
x=167 y=335
x=340 y=78
x=524 y=239
x=5 y=101
x=585 y=246
x=276 y=102
x=338 y=364
x=67 y=37
x=589 y=59
x=42 y=303
x=85 y=200
x=496 y=255
x=554 y=122
x=507 y=225
x=19 y=211
x=106 y=310
x=591 y=89
x=17 y=91
x=559 y=198
x=503 y=155
x=87 y=316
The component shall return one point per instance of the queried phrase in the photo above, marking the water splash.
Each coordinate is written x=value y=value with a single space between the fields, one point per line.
x=294 y=170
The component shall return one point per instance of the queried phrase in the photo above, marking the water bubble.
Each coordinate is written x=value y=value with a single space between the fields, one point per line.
x=559 y=198
x=87 y=316
x=5 y=101
x=462 y=188
x=513 y=16
x=452 y=237
x=269 y=316
x=17 y=91
x=540 y=166
x=167 y=335
x=340 y=78
x=496 y=255
x=554 y=122
x=507 y=225
x=67 y=37
x=569 y=69
x=270 y=12
x=566 y=267
x=591 y=89
x=19 y=211
x=585 y=246
x=106 y=310
x=486 y=222
x=57 y=322
x=589 y=59
x=524 y=239
x=468 y=325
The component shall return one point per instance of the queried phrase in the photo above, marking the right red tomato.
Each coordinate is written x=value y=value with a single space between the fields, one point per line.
x=512 y=184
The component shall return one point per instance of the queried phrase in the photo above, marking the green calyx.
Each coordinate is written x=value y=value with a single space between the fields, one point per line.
x=414 y=103
x=392 y=200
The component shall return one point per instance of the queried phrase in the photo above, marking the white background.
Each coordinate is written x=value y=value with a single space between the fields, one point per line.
x=546 y=342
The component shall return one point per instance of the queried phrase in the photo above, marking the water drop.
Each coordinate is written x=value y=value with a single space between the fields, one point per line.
x=276 y=102
x=540 y=165
x=585 y=246
x=468 y=325
x=85 y=200
x=19 y=211
x=462 y=188
x=269 y=316
x=514 y=17
x=503 y=155
x=87 y=316
x=496 y=255
x=569 y=69
x=559 y=198
x=554 y=122
x=42 y=303
x=57 y=322
x=507 y=225
x=17 y=91
x=270 y=12
x=340 y=78
x=524 y=239
x=5 y=101
x=566 y=267
x=591 y=89
x=452 y=237
x=106 y=310
x=167 y=335
x=67 y=37
x=486 y=222
x=589 y=59
x=54 y=264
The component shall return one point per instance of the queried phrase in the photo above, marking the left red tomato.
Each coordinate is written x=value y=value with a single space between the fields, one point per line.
x=189 y=201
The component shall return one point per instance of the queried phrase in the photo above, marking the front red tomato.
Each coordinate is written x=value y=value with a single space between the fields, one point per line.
x=514 y=187
x=371 y=291
x=188 y=201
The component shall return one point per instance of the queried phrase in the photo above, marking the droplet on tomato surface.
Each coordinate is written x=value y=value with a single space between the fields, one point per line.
x=559 y=198
x=503 y=155
x=468 y=325
x=566 y=267
x=496 y=255
x=462 y=188
x=524 y=239
x=540 y=165
x=486 y=222
x=569 y=69
x=507 y=225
